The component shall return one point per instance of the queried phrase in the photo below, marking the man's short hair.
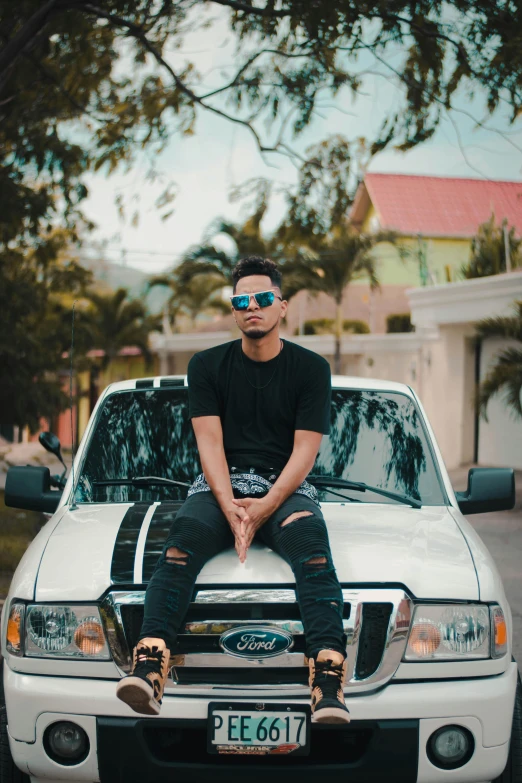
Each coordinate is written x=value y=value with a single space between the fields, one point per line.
x=256 y=265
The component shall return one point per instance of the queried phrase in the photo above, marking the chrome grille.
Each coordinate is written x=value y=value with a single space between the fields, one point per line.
x=376 y=624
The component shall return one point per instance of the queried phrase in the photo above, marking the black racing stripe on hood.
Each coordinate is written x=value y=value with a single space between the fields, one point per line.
x=122 y=566
x=158 y=531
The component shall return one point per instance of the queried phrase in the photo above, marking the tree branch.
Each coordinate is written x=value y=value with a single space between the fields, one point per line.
x=139 y=34
x=254 y=10
x=72 y=100
x=438 y=100
x=438 y=35
x=14 y=48
x=235 y=80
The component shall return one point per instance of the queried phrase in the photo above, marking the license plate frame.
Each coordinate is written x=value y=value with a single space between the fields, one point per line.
x=259 y=708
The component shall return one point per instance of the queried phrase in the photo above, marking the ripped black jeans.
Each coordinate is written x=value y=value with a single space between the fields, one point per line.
x=201 y=530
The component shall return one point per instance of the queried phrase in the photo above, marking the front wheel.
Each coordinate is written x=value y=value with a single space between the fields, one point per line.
x=513 y=771
x=9 y=772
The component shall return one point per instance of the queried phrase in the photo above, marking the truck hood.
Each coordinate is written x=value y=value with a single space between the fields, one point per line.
x=97 y=546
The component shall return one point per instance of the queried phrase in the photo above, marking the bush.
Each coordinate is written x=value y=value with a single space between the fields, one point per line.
x=326 y=326
x=399 y=322
x=356 y=327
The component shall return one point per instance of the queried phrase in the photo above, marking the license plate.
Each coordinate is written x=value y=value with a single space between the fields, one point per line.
x=258 y=729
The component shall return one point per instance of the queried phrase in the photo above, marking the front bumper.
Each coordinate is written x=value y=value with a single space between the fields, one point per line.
x=386 y=739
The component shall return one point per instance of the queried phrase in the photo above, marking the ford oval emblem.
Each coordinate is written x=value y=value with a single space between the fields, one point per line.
x=255 y=641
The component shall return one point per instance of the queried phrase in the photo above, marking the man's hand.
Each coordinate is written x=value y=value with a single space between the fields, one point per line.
x=237 y=518
x=257 y=510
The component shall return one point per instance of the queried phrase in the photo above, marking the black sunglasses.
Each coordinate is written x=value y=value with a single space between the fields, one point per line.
x=263 y=299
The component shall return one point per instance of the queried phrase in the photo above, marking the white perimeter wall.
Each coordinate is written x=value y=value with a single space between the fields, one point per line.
x=500 y=438
x=452 y=310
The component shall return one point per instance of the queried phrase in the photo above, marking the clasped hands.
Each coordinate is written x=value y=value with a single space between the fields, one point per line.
x=245 y=517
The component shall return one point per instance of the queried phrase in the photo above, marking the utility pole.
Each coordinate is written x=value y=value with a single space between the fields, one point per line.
x=423 y=264
x=506 y=248
x=302 y=308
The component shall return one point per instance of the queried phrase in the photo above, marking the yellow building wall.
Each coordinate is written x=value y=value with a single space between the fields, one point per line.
x=439 y=252
x=124 y=367
x=83 y=403
x=367 y=224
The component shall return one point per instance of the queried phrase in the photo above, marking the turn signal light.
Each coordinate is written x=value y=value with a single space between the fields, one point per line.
x=499 y=632
x=425 y=638
x=89 y=637
x=14 y=629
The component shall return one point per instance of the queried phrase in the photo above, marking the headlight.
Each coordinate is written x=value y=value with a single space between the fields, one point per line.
x=450 y=632
x=65 y=632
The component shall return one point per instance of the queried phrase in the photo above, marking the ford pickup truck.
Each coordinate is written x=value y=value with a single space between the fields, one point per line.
x=432 y=688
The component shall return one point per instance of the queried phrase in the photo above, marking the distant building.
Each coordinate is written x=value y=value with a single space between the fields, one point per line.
x=437 y=216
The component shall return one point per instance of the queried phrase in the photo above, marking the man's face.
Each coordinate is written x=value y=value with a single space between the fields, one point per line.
x=255 y=322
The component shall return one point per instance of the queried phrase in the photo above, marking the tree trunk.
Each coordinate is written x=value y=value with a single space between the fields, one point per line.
x=338 y=337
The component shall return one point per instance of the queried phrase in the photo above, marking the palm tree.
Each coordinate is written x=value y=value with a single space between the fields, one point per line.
x=506 y=373
x=488 y=250
x=208 y=259
x=113 y=321
x=199 y=294
x=336 y=260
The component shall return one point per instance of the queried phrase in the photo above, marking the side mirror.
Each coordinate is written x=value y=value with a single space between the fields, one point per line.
x=29 y=487
x=51 y=443
x=489 y=489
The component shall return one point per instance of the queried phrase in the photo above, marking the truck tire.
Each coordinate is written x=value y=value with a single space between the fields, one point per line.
x=513 y=771
x=9 y=772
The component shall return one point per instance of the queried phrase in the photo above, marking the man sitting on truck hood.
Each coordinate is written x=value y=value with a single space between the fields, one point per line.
x=259 y=407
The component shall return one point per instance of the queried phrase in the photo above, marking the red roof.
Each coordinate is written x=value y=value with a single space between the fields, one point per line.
x=437 y=206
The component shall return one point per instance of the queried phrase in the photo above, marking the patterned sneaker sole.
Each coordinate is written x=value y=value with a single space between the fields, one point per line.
x=331 y=715
x=137 y=695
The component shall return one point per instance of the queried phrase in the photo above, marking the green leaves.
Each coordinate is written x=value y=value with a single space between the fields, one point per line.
x=35 y=329
x=505 y=376
x=488 y=250
x=342 y=256
x=112 y=321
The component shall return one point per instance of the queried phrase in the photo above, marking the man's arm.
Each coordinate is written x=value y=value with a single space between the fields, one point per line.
x=302 y=458
x=209 y=437
x=301 y=462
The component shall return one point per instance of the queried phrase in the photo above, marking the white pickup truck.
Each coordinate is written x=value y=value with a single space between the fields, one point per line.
x=432 y=688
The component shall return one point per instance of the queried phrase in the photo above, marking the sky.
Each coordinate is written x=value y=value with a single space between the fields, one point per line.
x=221 y=155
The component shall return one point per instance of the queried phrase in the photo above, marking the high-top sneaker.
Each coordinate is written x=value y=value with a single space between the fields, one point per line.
x=143 y=688
x=327 y=675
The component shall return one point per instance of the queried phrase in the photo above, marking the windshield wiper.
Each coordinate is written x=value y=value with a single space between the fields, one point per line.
x=141 y=481
x=360 y=486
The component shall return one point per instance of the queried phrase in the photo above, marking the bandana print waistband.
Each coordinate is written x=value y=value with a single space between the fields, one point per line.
x=251 y=484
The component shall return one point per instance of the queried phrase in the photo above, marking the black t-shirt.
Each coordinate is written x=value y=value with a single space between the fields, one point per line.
x=259 y=423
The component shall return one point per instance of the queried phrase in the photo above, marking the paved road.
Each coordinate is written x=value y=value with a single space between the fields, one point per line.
x=502 y=534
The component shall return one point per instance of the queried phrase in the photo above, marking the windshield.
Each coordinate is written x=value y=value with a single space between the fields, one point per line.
x=376 y=438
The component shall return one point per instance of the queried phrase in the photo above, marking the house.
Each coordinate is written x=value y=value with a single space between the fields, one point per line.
x=436 y=216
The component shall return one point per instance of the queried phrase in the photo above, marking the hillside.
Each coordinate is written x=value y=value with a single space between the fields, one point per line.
x=110 y=275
